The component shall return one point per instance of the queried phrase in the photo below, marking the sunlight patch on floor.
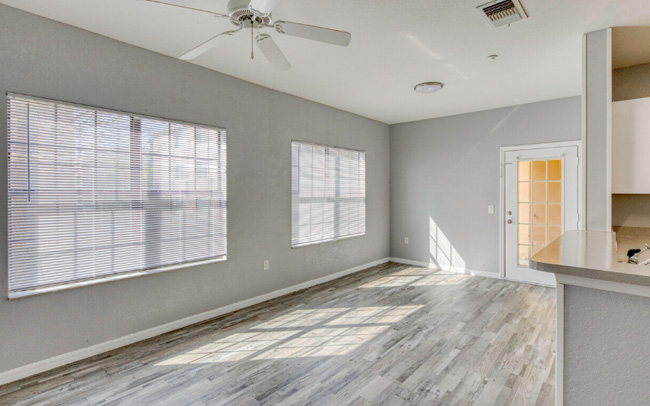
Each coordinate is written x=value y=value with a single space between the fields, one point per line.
x=326 y=342
x=415 y=271
x=314 y=333
x=432 y=280
x=391 y=281
x=416 y=276
x=374 y=315
x=303 y=318
x=232 y=348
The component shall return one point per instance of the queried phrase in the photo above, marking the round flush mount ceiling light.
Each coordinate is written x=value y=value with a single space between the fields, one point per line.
x=428 y=87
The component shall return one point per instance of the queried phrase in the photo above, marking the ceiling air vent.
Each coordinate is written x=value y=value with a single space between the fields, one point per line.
x=498 y=13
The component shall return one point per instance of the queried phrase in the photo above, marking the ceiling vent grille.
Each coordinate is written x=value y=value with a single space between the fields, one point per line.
x=502 y=12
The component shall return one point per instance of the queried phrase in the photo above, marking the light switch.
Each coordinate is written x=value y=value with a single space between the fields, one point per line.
x=490 y=209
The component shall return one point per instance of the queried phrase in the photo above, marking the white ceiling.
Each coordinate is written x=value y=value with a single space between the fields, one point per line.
x=395 y=45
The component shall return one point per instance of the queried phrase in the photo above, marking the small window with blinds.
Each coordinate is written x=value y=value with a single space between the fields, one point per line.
x=328 y=193
x=96 y=195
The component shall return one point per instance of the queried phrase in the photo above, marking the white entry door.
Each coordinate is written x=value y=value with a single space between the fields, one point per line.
x=541 y=203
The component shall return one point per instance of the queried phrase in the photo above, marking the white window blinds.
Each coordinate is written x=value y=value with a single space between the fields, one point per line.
x=328 y=193
x=94 y=194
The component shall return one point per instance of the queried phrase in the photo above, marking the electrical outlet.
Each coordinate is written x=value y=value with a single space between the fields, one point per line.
x=266 y=265
x=406 y=240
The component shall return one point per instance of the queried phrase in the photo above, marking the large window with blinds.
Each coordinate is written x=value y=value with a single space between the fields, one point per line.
x=328 y=193
x=96 y=195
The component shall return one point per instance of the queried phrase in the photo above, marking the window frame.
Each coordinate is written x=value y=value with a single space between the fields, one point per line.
x=365 y=198
x=21 y=293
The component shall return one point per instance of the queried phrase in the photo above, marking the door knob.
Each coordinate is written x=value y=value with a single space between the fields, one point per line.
x=509 y=213
x=509 y=221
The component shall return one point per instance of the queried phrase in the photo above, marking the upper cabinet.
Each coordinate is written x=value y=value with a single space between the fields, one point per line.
x=631 y=146
x=630 y=137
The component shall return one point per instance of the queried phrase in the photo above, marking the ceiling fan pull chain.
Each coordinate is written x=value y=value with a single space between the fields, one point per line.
x=248 y=24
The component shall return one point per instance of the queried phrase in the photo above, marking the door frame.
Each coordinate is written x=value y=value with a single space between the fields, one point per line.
x=502 y=191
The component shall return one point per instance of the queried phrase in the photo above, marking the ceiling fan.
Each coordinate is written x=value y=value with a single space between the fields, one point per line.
x=252 y=16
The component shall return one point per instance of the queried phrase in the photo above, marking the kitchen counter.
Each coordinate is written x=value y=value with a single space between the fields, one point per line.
x=591 y=255
x=603 y=320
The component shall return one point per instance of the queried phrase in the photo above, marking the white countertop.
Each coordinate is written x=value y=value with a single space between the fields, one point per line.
x=589 y=254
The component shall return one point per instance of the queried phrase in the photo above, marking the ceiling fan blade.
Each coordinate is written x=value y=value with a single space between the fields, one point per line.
x=272 y=53
x=262 y=7
x=189 y=8
x=206 y=46
x=327 y=35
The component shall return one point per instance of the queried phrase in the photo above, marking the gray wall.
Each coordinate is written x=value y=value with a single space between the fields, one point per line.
x=48 y=59
x=445 y=173
x=631 y=83
x=598 y=98
x=606 y=354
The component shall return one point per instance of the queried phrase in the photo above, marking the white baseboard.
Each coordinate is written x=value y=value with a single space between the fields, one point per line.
x=77 y=355
x=449 y=268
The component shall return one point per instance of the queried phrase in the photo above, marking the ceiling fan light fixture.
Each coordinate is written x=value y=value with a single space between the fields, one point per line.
x=428 y=87
x=262 y=8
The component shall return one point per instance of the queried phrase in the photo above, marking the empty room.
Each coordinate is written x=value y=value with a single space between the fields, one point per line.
x=311 y=202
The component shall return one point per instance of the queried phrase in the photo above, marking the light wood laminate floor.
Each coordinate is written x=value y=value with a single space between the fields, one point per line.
x=394 y=335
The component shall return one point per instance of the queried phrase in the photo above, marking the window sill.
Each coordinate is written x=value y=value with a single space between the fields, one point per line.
x=325 y=241
x=40 y=291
